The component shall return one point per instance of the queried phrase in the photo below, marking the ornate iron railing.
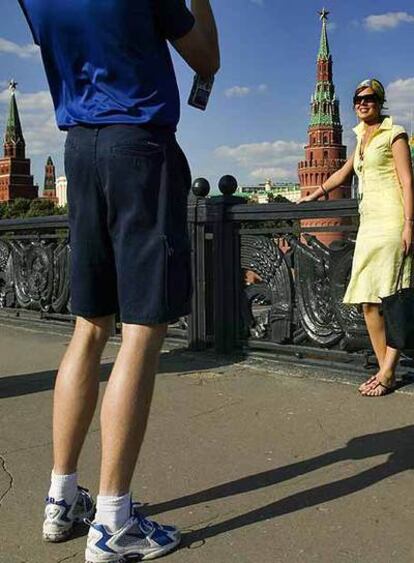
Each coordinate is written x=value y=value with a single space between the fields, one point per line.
x=263 y=280
x=34 y=265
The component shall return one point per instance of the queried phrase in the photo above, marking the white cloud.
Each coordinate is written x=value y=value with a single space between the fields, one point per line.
x=390 y=20
x=332 y=26
x=277 y=159
x=257 y=2
x=243 y=91
x=237 y=92
x=400 y=96
x=22 y=51
x=274 y=173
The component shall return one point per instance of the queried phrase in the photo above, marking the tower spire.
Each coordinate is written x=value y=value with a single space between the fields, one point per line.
x=14 y=144
x=324 y=52
x=325 y=106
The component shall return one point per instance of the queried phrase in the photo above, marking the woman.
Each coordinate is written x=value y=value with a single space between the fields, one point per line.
x=382 y=162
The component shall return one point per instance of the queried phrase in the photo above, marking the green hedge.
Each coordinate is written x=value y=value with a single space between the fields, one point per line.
x=21 y=208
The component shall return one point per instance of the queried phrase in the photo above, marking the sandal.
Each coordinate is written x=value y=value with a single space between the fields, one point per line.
x=367 y=383
x=384 y=390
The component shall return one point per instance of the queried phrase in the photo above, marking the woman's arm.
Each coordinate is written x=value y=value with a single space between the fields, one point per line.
x=403 y=166
x=337 y=179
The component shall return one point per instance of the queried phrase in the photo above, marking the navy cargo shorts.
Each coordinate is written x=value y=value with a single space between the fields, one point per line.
x=127 y=199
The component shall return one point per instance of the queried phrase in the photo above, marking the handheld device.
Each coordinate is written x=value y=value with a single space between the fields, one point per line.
x=200 y=92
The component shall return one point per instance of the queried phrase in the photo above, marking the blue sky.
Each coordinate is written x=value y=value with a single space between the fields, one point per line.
x=255 y=126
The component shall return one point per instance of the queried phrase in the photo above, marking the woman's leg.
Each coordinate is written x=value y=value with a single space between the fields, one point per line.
x=387 y=357
x=376 y=331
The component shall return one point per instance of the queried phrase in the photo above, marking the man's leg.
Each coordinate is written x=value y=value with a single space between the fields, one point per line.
x=126 y=405
x=76 y=391
x=119 y=530
x=75 y=397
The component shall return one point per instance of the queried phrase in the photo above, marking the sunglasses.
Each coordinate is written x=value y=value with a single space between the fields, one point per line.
x=368 y=99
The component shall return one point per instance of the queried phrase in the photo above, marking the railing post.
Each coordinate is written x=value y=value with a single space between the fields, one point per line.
x=226 y=268
x=216 y=269
x=198 y=329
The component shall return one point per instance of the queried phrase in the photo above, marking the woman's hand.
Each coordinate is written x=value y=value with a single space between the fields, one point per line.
x=407 y=237
x=307 y=198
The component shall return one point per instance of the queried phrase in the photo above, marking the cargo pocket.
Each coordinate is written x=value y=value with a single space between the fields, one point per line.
x=178 y=283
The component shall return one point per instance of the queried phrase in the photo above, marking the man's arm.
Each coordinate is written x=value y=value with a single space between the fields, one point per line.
x=200 y=47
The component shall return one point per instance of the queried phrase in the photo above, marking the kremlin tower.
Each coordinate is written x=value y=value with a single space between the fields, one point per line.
x=324 y=153
x=49 y=187
x=15 y=177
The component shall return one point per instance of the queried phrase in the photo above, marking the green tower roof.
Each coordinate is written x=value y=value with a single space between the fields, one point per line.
x=324 y=52
x=324 y=104
x=14 y=132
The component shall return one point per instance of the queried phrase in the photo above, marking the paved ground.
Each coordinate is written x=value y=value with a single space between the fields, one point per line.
x=257 y=465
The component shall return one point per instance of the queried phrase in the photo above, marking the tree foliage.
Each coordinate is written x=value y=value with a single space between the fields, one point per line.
x=22 y=208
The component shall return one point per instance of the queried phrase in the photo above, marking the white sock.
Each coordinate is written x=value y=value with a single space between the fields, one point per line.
x=113 y=512
x=64 y=487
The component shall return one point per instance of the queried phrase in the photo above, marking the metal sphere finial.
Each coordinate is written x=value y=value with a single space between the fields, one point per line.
x=201 y=187
x=228 y=185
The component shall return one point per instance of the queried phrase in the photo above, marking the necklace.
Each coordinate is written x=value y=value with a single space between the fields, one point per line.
x=365 y=140
x=362 y=148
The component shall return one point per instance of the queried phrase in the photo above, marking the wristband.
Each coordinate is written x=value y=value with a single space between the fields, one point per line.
x=324 y=191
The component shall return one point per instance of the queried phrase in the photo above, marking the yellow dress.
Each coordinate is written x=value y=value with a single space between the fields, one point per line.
x=378 y=253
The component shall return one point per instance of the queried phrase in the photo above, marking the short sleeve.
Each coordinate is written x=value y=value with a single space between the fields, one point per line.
x=29 y=21
x=397 y=131
x=173 y=18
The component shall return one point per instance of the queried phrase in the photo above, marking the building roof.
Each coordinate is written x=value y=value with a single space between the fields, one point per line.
x=14 y=132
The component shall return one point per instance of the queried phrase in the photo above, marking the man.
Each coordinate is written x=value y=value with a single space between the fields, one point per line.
x=114 y=90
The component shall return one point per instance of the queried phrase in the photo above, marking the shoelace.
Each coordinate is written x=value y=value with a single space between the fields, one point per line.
x=137 y=515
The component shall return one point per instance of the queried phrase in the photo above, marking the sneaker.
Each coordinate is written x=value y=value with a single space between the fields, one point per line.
x=139 y=539
x=61 y=517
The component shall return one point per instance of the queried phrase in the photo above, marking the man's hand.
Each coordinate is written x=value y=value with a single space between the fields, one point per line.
x=407 y=238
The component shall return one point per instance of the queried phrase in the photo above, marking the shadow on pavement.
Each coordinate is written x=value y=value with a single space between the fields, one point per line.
x=398 y=443
x=176 y=361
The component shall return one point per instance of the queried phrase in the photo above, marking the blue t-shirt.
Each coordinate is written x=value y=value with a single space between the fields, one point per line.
x=107 y=61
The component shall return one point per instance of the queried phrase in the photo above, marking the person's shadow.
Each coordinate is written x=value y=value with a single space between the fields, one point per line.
x=398 y=443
